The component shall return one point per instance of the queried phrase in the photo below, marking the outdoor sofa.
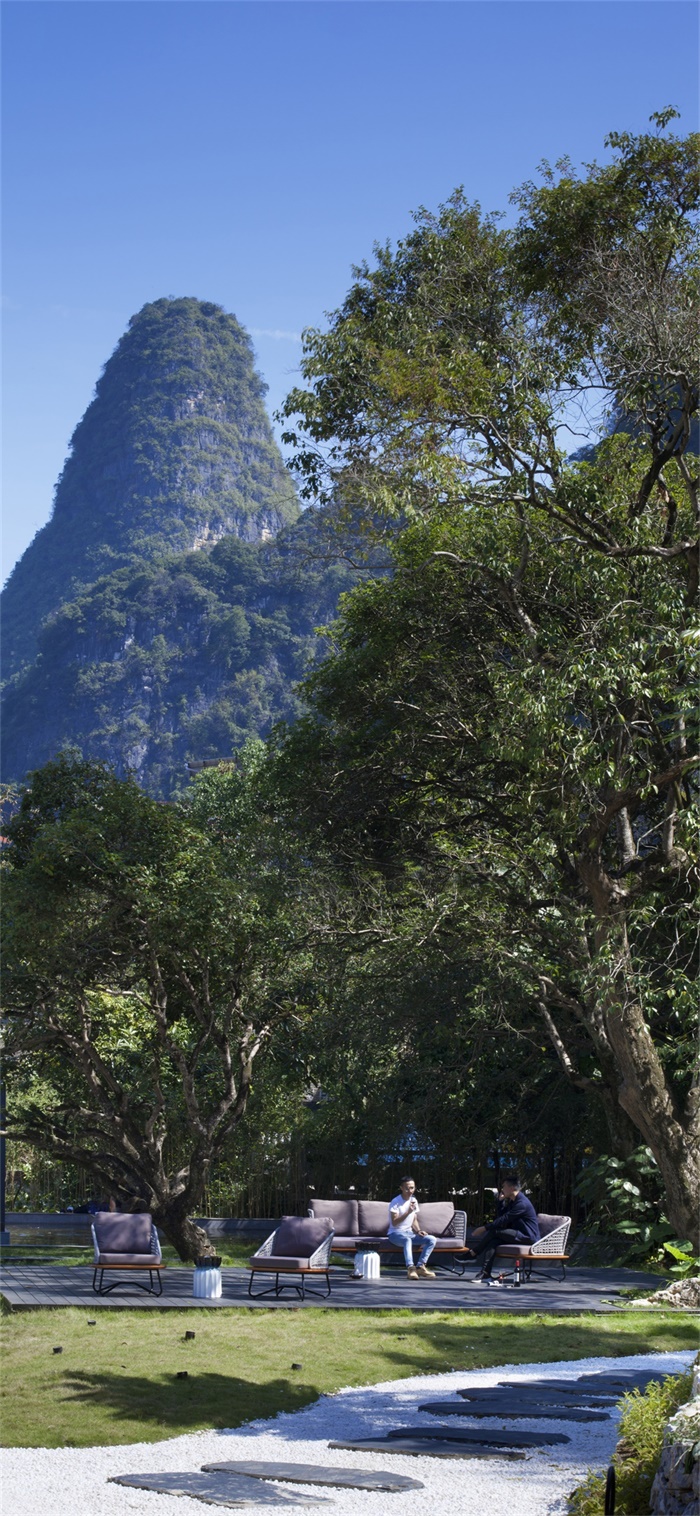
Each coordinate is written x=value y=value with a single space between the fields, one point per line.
x=362 y=1225
x=126 y=1244
x=299 y=1249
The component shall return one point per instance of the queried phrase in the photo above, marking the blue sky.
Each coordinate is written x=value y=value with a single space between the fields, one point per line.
x=250 y=153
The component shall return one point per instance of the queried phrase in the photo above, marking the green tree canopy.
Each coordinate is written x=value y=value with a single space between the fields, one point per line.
x=146 y=967
x=516 y=708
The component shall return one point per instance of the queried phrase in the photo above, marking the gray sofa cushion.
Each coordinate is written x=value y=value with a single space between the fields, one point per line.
x=373 y=1217
x=437 y=1216
x=442 y=1244
x=123 y=1234
x=342 y=1214
x=300 y=1236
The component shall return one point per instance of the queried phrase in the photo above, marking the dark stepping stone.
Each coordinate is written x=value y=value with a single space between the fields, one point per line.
x=627 y=1381
x=541 y=1387
x=217 y=1489
x=427 y=1449
x=620 y=1375
x=502 y=1438
x=540 y=1397
x=317 y=1473
x=512 y=1410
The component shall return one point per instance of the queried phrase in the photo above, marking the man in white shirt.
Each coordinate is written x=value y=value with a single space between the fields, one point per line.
x=404 y=1225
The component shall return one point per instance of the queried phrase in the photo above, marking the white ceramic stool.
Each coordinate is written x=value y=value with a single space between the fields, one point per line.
x=370 y=1267
x=206 y=1284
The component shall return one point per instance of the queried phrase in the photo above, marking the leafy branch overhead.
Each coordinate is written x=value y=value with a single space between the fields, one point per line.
x=516 y=711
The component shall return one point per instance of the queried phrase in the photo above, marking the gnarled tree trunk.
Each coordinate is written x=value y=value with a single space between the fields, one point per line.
x=189 y=1240
x=672 y=1133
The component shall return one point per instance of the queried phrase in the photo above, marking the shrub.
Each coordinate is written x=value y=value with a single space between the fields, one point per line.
x=638 y=1450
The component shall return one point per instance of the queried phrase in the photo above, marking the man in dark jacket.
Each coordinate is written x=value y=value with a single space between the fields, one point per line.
x=515 y=1221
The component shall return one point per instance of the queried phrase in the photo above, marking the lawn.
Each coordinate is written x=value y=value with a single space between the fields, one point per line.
x=232 y=1251
x=117 y=1382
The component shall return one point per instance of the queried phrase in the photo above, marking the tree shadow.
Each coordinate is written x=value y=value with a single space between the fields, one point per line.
x=539 y=1338
x=202 y=1399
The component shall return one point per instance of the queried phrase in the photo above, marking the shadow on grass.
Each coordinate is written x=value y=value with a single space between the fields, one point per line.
x=475 y=1342
x=203 y=1398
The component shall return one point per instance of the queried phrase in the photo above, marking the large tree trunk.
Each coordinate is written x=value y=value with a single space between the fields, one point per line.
x=623 y=1135
x=644 y=1094
x=189 y=1240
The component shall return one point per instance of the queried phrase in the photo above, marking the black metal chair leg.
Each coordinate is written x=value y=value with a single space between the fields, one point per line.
x=610 y=1492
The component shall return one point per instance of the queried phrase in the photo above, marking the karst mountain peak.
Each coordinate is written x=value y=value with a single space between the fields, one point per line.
x=168 y=609
x=174 y=452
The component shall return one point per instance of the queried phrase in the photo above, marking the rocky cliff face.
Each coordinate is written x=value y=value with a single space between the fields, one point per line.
x=174 y=452
x=176 y=659
x=169 y=607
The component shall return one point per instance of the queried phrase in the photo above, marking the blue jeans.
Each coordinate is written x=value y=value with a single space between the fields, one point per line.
x=405 y=1240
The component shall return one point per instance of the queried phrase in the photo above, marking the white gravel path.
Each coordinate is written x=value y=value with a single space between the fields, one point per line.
x=73 y=1481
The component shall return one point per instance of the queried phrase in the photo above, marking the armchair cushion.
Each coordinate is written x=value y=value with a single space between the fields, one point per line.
x=149 y=1259
x=300 y=1236
x=282 y=1263
x=549 y=1224
x=123 y=1234
x=514 y=1250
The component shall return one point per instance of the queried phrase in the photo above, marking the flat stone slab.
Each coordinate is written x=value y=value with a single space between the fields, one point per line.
x=500 y=1439
x=427 y=1449
x=537 y=1389
x=627 y=1379
x=217 y=1489
x=512 y=1410
x=317 y=1473
x=540 y=1397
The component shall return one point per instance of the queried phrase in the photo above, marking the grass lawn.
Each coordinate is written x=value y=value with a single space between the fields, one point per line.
x=232 y=1251
x=116 y=1381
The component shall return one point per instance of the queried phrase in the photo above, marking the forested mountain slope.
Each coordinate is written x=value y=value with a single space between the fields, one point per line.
x=177 y=658
x=159 y=616
x=174 y=451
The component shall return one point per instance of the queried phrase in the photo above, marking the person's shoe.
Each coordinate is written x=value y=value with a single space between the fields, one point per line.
x=412 y=1274
x=485 y=1279
x=424 y=1272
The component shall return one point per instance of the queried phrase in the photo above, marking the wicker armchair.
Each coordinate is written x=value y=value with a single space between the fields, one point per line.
x=126 y=1244
x=554 y=1233
x=299 y=1248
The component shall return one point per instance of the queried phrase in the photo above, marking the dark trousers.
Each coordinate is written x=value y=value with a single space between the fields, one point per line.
x=484 y=1248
